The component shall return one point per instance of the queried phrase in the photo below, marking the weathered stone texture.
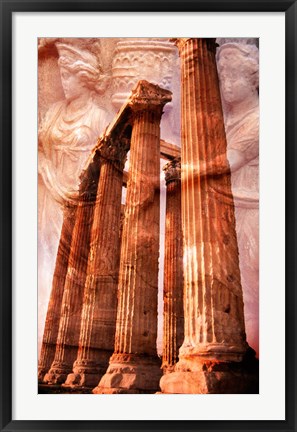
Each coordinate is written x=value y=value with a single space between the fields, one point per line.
x=173 y=326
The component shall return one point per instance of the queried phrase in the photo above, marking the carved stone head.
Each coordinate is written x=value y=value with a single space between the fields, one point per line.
x=80 y=70
x=238 y=68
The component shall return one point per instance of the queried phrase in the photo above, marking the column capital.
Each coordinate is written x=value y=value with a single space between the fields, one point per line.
x=89 y=180
x=114 y=149
x=148 y=96
x=172 y=170
x=182 y=42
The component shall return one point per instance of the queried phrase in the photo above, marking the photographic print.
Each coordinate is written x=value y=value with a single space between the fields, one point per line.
x=148 y=215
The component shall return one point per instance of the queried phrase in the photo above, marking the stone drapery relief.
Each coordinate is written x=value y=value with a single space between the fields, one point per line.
x=71 y=127
x=238 y=68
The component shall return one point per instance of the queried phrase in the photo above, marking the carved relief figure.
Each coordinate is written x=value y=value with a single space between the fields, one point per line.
x=238 y=67
x=71 y=127
x=67 y=134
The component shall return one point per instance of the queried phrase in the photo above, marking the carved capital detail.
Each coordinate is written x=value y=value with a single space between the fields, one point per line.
x=172 y=170
x=114 y=150
x=182 y=42
x=89 y=180
x=148 y=96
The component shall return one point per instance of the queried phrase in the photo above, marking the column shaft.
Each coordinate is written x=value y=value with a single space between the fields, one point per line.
x=135 y=367
x=173 y=325
x=96 y=342
x=137 y=327
x=214 y=305
x=70 y=321
x=51 y=327
x=214 y=320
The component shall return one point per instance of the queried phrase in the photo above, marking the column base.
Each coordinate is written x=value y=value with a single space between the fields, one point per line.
x=167 y=368
x=41 y=374
x=223 y=352
x=86 y=374
x=213 y=377
x=57 y=374
x=131 y=373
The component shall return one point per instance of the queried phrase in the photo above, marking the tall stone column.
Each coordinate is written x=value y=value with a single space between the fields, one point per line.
x=69 y=326
x=52 y=321
x=134 y=366
x=212 y=357
x=97 y=333
x=173 y=324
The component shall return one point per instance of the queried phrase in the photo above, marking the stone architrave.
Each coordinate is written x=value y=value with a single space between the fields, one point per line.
x=213 y=354
x=51 y=327
x=70 y=320
x=173 y=316
x=96 y=342
x=135 y=367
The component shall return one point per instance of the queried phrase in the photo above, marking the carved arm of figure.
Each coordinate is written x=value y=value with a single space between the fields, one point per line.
x=47 y=172
x=46 y=168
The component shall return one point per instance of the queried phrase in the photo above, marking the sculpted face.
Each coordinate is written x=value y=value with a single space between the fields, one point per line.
x=72 y=85
x=235 y=76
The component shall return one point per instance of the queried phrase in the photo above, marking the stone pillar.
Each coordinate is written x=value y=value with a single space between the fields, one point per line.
x=69 y=327
x=97 y=333
x=211 y=359
x=173 y=324
x=51 y=327
x=134 y=366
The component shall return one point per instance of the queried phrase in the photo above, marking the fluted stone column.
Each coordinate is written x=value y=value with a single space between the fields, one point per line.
x=97 y=333
x=69 y=327
x=135 y=366
x=173 y=316
x=212 y=354
x=52 y=321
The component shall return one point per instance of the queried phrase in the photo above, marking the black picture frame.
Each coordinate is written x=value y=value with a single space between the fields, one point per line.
x=8 y=7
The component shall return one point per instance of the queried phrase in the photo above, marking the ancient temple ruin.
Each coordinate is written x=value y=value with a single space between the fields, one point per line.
x=101 y=325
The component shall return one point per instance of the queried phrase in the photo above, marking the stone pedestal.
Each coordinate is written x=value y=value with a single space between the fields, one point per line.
x=70 y=320
x=212 y=357
x=51 y=327
x=135 y=366
x=96 y=342
x=173 y=324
